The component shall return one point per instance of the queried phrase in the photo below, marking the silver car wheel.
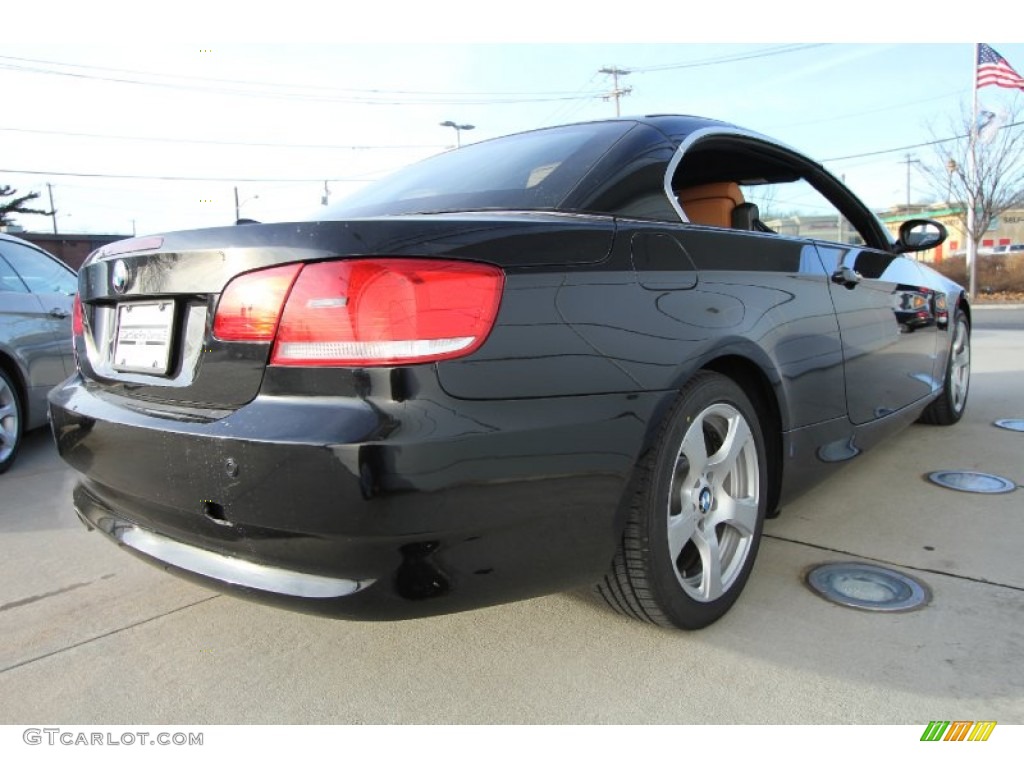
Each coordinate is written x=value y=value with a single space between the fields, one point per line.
x=960 y=364
x=714 y=502
x=10 y=419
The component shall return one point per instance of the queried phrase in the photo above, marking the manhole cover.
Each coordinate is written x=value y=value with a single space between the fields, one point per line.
x=972 y=482
x=1017 y=425
x=868 y=587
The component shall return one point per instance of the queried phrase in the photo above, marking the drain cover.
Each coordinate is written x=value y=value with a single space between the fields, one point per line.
x=868 y=587
x=972 y=482
x=1017 y=425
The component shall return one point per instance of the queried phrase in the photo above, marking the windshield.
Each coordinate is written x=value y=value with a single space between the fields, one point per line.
x=527 y=171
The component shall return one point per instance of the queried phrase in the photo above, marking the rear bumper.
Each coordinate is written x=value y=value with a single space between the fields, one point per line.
x=210 y=565
x=356 y=506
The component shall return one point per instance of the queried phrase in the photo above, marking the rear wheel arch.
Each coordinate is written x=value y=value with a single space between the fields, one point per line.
x=964 y=307
x=948 y=407
x=696 y=508
x=765 y=396
x=13 y=371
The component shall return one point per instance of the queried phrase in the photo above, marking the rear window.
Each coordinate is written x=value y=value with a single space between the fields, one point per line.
x=527 y=171
x=40 y=272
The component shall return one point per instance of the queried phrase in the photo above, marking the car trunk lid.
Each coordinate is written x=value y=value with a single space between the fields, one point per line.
x=149 y=304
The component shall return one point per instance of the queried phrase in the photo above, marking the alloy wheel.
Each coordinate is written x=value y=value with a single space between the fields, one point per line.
x=960 y=365
x=714 y=501
x=9 y=419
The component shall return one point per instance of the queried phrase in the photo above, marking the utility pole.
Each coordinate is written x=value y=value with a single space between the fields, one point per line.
x=238 y=205
x=616 y=92
x=53 y=211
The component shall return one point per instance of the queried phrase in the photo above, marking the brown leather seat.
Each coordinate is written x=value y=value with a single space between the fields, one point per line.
x=711 y=204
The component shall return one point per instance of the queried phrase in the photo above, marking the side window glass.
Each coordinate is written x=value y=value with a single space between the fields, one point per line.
x=796 y=209
x=650 y=205
x=9 y=280
x=39 y=272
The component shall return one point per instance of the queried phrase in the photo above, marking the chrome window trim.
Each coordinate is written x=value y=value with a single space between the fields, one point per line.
x=703 y=133
x=719 y=130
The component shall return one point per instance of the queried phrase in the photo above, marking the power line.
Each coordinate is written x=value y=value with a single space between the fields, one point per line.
x=265 y=84
x=908 y=146
x=565 y=110
x=227 y=179
x=320 y=179
x=370 y=96
x=293 y=96
x=168 y=139
x=759 y=54
x=848 y=115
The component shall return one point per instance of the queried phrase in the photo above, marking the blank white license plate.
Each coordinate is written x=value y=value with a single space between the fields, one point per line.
x=143 y=342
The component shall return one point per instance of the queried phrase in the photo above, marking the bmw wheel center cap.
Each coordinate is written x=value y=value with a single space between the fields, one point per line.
x=119 y=277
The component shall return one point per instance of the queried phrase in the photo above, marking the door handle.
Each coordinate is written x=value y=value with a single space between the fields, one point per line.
x=58 y=313
x=846 y=277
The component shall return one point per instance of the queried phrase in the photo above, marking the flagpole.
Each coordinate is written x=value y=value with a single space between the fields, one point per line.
x=972 y=168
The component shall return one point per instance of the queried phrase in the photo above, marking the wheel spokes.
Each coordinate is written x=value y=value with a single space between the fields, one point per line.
x=681 y=530
x=740 y=514
x=737 y=438
x=694 y=449
x=714 y=504
x=709 y=548
x=7 y=440
x=960 y=365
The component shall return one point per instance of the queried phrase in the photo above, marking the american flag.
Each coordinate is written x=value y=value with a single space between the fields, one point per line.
x=993 y=69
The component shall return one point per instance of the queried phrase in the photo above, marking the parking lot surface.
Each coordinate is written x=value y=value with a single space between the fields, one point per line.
x=91 y=635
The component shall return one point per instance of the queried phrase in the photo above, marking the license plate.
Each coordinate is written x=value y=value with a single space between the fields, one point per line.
x=143 y=342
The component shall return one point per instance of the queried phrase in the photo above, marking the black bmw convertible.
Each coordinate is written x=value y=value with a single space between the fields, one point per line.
x=600 y=353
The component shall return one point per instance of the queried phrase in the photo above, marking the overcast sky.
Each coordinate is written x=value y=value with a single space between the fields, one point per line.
x=277 y=119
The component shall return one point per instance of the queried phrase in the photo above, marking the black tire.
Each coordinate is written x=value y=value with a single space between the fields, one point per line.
x=949 y=406
x=12 y=421
x=668 y=577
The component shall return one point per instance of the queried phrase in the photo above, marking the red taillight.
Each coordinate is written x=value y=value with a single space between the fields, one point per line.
x=250 y=305
x=77 y=325
x=387 y=312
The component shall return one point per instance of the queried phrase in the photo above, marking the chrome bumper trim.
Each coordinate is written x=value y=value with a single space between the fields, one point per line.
x=233 y=570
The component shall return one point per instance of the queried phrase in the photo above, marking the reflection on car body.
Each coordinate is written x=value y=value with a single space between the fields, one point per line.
x=575 y=355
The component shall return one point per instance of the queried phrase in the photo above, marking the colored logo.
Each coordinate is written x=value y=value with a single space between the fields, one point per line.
x=958 y=730
x=119 y=276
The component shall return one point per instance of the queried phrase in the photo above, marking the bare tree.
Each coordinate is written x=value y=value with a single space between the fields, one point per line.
x=17 y=204
x=997 y=184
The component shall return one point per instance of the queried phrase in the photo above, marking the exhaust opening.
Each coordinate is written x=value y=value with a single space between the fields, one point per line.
x=214 y=512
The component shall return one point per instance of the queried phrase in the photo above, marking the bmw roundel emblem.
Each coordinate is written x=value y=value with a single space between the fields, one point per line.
x=119 y=277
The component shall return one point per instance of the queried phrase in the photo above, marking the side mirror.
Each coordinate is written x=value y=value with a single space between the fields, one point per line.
x=920 y=235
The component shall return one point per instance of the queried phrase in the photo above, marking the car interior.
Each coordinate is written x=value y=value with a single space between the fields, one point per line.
x=720 y=204
x=710 y=181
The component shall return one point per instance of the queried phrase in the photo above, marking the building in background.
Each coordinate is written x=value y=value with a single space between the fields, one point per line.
x=1003 y=233
x=69 y=248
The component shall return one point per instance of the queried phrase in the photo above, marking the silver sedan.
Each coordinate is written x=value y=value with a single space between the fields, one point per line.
x=36 y=300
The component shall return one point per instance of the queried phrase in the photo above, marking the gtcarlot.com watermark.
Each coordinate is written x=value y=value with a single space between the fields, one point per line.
x=61 y=737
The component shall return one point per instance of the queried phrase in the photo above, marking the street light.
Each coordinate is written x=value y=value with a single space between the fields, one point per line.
x=238 y=205
x=458 y=130
x=951 y=166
